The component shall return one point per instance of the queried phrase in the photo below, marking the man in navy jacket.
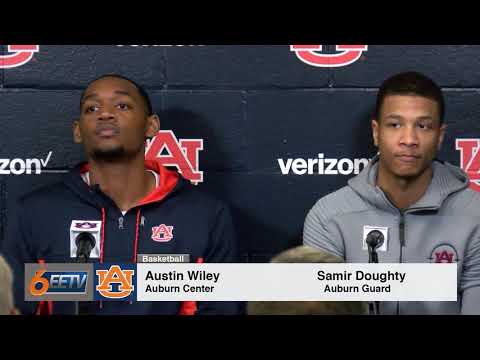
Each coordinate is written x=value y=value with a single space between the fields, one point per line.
x=138 y=206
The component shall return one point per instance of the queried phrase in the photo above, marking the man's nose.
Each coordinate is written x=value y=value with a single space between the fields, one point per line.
x=106 y=114
x=409 y=137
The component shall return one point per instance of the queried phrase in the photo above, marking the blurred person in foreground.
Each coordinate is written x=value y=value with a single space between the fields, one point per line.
x=299 y=255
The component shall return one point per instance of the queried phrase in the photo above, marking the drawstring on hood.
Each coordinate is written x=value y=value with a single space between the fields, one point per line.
x=135 y=245
x=102 y=242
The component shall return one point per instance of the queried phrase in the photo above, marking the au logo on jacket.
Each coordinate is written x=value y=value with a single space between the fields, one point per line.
x=444 y=254
x=162 y=233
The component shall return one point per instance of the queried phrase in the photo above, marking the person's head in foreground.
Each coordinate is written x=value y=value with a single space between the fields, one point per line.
x=6 y=294
x=298 y=255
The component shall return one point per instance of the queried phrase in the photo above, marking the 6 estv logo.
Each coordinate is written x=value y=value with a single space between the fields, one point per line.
x=58 y=283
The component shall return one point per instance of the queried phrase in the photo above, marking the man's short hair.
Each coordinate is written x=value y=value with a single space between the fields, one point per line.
x=6 y=283
x=411 y=83
x=298 y=255
x=143 y=93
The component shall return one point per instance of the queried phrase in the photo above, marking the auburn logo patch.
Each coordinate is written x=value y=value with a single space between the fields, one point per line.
x=444 y=254
x=162 y=233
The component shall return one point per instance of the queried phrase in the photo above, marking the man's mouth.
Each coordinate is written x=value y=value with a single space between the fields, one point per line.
x=408 y=158
x=107 y=131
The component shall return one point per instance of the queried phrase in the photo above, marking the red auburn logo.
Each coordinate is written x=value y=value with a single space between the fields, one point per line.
x=183 y=154
x=444 y=254
x=347 y=55
x=470 y=160
x=21 y=54
x=162 y=233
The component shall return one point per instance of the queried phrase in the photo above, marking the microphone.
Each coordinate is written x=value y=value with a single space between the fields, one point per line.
x=375 y=240
x=85 y=243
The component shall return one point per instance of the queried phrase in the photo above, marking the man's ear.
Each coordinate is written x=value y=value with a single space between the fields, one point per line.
x=443 y=131
x=375 y=127
x=153 y=126
x=77 y=134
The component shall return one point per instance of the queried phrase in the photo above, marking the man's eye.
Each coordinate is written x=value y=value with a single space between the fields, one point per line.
x=424 y=126
x=123 y=107
x=394 y=125
x=91 y=108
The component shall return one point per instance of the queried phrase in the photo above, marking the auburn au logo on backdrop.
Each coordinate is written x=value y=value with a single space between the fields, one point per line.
x=470 y=160
x=182 y=154
x=312 y=55
x=18 y=55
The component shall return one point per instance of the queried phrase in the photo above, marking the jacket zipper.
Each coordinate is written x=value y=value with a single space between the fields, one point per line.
x=120 y=223
x=402 y=244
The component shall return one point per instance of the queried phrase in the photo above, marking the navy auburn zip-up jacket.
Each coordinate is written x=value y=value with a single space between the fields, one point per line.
x=197 y=224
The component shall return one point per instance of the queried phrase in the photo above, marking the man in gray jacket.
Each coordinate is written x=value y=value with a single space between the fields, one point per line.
x=423 y=206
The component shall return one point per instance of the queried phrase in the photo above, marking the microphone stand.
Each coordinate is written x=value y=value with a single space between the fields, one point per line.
x=80 y=260
x=374 y=240
x=85 y=243
x=374 y=308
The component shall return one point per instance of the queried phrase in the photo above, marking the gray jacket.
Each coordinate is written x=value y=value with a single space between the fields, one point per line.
x=443 y=226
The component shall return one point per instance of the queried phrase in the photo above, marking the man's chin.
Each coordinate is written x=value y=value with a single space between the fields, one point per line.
x=410 y=174
x=109 y=155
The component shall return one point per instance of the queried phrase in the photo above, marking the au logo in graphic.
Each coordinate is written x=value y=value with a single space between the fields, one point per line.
x=115 y=282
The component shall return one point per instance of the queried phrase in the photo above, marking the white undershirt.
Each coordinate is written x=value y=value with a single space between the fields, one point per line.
x=86 y=179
